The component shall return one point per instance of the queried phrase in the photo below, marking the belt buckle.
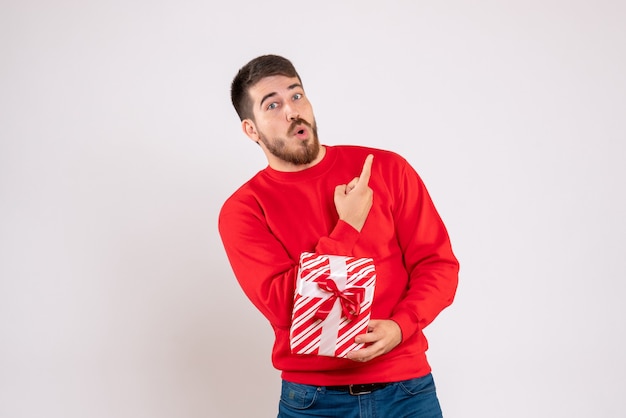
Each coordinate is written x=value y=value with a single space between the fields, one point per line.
x=357 y=392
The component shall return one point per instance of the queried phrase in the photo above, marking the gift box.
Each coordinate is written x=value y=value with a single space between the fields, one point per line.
x=332 y=304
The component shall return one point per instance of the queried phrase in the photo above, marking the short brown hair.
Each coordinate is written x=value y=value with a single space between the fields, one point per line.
x=252 y=73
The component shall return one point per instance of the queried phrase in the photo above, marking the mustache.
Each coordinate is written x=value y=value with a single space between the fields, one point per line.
x=296 y=122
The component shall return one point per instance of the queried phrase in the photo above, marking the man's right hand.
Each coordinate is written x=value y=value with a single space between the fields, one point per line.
x=353 y=201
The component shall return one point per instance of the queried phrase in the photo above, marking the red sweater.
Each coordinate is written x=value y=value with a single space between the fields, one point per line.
x=268 y=222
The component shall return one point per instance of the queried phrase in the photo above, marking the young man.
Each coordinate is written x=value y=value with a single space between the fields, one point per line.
x=346 y=201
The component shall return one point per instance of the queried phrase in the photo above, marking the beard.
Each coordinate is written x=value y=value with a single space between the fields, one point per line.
x=306 y=151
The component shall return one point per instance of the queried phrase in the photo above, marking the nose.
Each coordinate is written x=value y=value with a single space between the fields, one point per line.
x=292 y=114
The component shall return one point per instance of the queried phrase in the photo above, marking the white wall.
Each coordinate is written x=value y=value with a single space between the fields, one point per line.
x=118 y=145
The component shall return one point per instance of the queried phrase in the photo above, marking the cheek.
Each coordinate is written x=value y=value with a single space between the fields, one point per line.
x=307 y=110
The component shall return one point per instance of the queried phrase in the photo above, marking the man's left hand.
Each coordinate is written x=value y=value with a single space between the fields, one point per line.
x=382 y=336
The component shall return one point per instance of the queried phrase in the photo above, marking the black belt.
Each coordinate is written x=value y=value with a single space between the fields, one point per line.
x=358 y=389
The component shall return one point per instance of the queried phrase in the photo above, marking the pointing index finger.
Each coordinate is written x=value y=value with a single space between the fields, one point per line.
x=367 y=170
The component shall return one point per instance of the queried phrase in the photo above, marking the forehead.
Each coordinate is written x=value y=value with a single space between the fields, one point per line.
x=275 y=84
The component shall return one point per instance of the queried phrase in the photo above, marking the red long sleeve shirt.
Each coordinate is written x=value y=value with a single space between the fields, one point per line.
x=274 y=217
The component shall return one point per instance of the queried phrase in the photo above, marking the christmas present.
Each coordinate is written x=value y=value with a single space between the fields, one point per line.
x=332 y=304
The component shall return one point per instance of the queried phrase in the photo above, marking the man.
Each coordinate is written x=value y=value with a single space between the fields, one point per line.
x=336 y=200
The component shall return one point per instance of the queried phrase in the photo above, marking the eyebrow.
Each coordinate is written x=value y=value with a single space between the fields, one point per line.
x=272 y=94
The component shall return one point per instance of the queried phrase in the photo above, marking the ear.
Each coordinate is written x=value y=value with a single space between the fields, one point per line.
x=249 y=128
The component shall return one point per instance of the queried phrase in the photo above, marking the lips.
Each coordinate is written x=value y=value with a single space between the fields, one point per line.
x=299 y=129
x=301 y=133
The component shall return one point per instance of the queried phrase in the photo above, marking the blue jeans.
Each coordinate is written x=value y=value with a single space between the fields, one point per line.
x=414 y=398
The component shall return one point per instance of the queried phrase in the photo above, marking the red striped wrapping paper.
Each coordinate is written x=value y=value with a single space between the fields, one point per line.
x=355 y=280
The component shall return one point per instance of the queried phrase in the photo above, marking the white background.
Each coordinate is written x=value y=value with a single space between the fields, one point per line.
x=118 y=145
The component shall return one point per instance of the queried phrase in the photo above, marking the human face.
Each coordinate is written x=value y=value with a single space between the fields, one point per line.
x=284 y=124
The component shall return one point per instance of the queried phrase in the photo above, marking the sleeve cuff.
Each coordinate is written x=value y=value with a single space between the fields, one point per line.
x=341 y=240
x=408 y=324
